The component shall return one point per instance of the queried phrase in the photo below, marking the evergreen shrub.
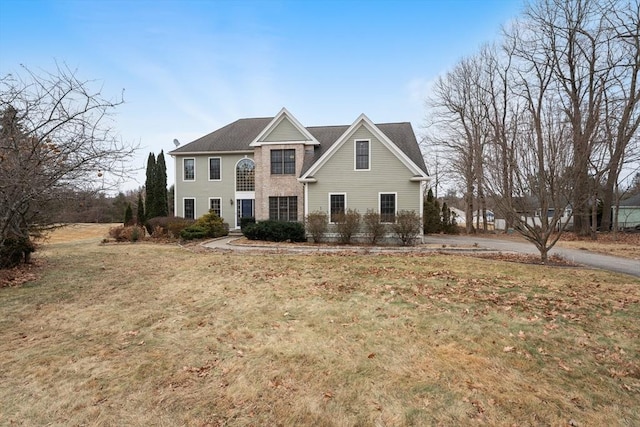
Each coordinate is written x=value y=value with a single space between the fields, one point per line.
x=275 y=231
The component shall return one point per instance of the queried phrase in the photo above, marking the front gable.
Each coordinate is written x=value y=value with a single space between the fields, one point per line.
x=364 y=129
x=284 y=129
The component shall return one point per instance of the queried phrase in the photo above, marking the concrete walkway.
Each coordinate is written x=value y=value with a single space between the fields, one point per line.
x=447 y=244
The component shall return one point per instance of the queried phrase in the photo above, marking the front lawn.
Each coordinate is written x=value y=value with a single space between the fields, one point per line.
x=149 y=334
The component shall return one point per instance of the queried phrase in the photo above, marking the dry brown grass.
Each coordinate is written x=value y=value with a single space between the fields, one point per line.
x=626 y=245
x=78 y=231
x=150 y=334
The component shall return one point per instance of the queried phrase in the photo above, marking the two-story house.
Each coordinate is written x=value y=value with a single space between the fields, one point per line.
x=275 y=168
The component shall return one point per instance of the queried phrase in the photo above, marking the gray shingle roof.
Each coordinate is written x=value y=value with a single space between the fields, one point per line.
x=631 y=201
x=238 y=135
x=235 y=136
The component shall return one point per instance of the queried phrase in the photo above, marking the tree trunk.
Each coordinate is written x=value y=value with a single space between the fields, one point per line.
x=581 y=202
x=469 y=209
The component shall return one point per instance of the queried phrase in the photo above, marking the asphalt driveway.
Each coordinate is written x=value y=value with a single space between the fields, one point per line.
x=603 y=262
x=582 y=257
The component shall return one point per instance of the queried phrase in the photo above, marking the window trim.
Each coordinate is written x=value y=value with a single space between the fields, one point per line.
x=209 y=167
x=289 y=210
x=216 y=198
x=184 y=170
x=329 y=204
x=395 y=202
x=355 y=155
x=235 y=176
x=184 y=207
x=283 y=163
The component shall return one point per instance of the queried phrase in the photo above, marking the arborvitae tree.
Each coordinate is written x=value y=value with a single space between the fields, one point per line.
x=128 y=215
x=149 y=187
x=160 y=186
x=140 y=218
x=156 y=187
x=431 y=218
x=171 y=195
x=447 y=224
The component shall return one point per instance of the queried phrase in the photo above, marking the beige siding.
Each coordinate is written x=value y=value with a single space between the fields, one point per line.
x=387 y=175
x=284 y=131
x=202 y=189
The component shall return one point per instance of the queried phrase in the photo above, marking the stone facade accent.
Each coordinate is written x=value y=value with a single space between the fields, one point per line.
x=268 y=185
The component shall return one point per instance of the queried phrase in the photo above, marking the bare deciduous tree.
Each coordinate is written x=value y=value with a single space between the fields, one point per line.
x=460 y=127
x=622 y=96
x=55 y=136
x=564 y=86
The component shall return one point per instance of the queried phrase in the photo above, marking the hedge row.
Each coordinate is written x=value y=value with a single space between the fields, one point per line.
x=275 y=231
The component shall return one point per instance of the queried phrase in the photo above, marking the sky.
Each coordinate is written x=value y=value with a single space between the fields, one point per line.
x=190 y=67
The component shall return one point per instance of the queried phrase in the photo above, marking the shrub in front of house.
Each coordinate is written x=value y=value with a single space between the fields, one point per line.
x=209 y=225
x=166 y=226
x=374 y=229
x=213 y=224
x=193 y=232
x=175 y=226
x=317 y=223
x=407 y=227
x=347 y=225
x=275 y=231
x=244 y=221
x=152 y=224
x=131 y=233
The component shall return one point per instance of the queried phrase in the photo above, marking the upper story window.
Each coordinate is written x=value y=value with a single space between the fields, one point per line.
x=246 y=175
x=215 y=171
x=283 y=162
x=189 y=169
x=362 y=155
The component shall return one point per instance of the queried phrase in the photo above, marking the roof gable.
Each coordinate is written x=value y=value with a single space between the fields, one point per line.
x=284 y=128
x=363 y=120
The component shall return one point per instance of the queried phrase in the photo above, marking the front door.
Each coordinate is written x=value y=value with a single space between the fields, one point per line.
x=245 y=209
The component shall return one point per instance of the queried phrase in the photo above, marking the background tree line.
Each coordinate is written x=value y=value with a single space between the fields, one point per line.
x=544 y=118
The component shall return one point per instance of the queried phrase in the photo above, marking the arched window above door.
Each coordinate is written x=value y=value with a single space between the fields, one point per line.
x=246 y=175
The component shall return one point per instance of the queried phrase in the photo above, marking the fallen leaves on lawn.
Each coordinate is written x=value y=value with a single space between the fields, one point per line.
x=200 y=371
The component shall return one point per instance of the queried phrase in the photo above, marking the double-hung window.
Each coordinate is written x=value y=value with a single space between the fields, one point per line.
x=362 y=155
x=190 y=208
x=388 y=207
x=215 y=204
x=283 y=208
x=189 y=169
x=283 y=162
x=215 y=172
x=337 y=206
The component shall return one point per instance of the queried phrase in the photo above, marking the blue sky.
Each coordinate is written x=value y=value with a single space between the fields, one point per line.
x=190 y=67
